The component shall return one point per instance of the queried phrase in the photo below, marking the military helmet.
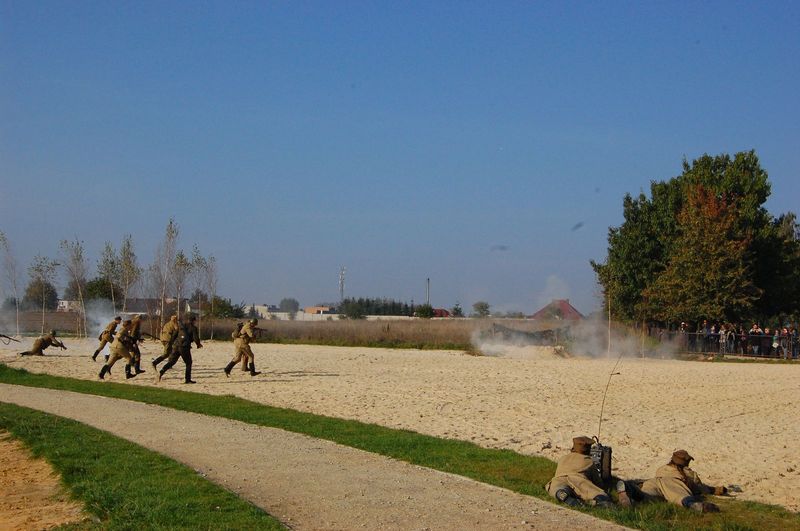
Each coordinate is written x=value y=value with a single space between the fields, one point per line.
x=681 y=458
x=582 y=444
x=53 y=332
x=253 y=321
x=118 y=318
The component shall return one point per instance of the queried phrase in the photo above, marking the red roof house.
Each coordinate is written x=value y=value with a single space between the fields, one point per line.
x=558 y=309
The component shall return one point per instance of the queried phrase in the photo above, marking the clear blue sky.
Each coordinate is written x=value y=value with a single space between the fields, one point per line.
x=460 y=141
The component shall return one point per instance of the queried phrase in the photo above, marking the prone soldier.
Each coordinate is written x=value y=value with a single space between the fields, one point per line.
x=572 y=481
x=41 y=343
x=106 y=336
x=121 y=347
x=679 y=485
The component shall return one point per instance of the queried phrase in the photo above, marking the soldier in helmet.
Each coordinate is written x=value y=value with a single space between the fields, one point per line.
x=246 y=336
x=121 y=347
x=168 y=334
x=571 y=483
x=182 y=348
x=106 y=336
x=680 y=485
x=41 y=343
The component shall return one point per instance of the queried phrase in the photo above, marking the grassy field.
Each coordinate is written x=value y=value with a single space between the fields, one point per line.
x=105 y=473
x=524 y=474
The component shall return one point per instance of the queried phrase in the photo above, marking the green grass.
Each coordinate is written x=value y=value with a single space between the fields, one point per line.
x=504 y=468
x=124 y=485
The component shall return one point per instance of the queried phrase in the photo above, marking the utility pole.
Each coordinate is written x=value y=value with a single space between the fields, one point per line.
x=342 y=271
x=428 y=292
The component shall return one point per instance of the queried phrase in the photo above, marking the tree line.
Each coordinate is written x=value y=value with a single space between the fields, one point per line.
x=171 y=275
x=704 y=246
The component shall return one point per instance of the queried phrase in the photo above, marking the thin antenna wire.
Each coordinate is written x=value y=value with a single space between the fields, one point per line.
x=603 y=405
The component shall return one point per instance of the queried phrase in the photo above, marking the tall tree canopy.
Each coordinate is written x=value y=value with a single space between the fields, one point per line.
x=706 y=227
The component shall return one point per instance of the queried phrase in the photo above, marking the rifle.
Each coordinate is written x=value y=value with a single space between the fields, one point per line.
x=7 y=339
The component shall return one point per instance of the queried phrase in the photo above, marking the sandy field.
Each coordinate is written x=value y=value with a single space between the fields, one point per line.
x=739 y=421
x=31 y=496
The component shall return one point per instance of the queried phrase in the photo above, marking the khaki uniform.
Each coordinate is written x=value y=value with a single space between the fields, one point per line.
x=121 y=347
x=40 y=344
x=168 y=332
x=573 y=472
x=238 y=352
x=107 y=335
x=675 y=484
x=246 y=335
x=182 y=348
x=136 y=336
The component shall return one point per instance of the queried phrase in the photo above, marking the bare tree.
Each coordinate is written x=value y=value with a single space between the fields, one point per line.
x=108 y=269
x=164 y=261
x=199 y=266
x=11 y=272
x=181 y=270
x=43 y=271
x=129 y=269
x=211 y=283
x=75 y=264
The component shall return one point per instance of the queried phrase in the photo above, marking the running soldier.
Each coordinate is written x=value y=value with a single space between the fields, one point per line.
x=182 y=348
x=42 y=343
x=572 y=482
x=106 y=336
x=238 y=353
x=247 y=335
x=168 y=334
x=121 y=347
x=136 y=338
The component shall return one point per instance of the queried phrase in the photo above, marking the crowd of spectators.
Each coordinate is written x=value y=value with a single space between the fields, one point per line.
x=729 y=338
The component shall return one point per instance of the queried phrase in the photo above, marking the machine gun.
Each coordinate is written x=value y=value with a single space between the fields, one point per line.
x=8 y=339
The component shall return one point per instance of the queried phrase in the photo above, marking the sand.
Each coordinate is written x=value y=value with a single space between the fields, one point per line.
x=739 y=421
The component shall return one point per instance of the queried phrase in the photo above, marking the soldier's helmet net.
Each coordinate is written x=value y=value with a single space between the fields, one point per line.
x=582 y=444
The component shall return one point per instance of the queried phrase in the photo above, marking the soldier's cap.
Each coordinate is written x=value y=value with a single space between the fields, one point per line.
x=581 y=444
x=118 y=318
x=681 y=458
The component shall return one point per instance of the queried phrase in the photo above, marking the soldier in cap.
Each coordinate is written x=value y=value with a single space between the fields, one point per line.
x=106 y=336
x=42 y=343
x=246 y=336
x=680 y=485
x=572 y=481
x=121 y=347
x=182 y=348
x=168 y=334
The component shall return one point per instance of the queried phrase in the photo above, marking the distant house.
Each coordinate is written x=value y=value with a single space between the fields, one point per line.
x=318 y=310
x=558 y=309
x=68 y=306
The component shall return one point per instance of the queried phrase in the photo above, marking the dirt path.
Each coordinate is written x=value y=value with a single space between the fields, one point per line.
x=307 y=483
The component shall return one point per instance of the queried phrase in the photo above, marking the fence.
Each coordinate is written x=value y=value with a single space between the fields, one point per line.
x=782 y=346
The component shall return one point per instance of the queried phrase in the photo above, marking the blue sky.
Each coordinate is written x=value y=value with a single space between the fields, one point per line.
x=457 y=141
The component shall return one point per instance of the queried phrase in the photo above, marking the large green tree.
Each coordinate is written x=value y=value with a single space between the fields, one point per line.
x=651 y=237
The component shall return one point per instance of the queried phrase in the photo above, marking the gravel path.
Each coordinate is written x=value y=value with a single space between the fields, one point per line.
x=307 y=483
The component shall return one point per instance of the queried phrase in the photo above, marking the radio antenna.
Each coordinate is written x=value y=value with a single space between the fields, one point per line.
x=603 y=405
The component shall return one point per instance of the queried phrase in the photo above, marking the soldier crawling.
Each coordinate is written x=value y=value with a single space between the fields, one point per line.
x=572 y=481
x=41 y=343
x=674 y=482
